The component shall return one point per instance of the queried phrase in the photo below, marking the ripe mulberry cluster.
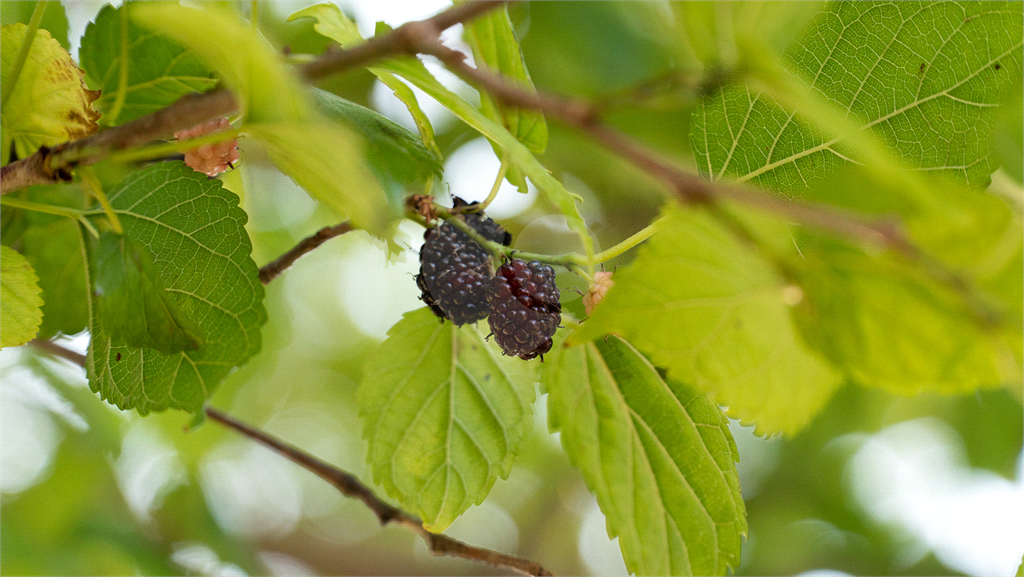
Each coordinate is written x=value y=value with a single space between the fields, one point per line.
x=525 y=311
x=211 y=159
x=455 y=270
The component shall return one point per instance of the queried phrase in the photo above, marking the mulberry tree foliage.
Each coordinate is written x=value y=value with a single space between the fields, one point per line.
x=882 y=255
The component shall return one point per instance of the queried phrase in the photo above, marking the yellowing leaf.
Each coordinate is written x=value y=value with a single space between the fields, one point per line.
x=49 y=104
x=20 y=304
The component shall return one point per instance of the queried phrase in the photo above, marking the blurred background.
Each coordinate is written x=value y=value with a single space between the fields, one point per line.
x=877 y=484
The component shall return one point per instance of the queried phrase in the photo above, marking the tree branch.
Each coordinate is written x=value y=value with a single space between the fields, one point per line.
x=271 y=270
x=59 y=351
x=350 y=486
x=48 y=166
x=691 y=188
x=398 y=41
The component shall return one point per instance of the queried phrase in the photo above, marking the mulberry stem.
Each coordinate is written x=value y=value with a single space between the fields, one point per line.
x=570 y=260
x=497 y=184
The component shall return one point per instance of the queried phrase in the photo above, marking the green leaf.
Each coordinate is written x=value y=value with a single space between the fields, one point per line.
x=334 y=24
x=495 y=46
x=713 y=311
x=391 y=149
x=1008 y=138
x=55 y=19
x=131 y=301
x=444 y=414
x=890 y=326
x=326 y=159
x=20 y=304
x=52 y=245
x=926 y=77
x=266 y=88
x=658 y=455
x=55 y=252
x=49 y=103
x=715 y=32
x=894 y=323
x=195 y=230
x=139 y=72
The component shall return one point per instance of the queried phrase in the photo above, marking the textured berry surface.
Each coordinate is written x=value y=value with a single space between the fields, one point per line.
x=455 y=271
x=211 y=159
x=524 y=308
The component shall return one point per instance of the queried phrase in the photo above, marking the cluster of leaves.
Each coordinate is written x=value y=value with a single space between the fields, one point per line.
x=880 y=108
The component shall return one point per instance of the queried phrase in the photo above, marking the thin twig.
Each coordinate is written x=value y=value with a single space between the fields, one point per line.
x=350 y=486
x=59 y=351
x=48 y=166
x=270 y=271
x=398 y=41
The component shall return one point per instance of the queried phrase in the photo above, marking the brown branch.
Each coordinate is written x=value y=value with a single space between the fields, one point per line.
x=270 y=271
x=350 y=486
x=398 y=41
x=48 y=166
x=59 y=351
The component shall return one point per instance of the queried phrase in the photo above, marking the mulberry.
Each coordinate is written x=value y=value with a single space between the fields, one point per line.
x=524 y=308
x=455 y=270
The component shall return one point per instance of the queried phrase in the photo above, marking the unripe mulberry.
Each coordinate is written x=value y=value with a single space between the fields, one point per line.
x=210 y=159
x=525 y=311
x=595 y=293
x=455 y=270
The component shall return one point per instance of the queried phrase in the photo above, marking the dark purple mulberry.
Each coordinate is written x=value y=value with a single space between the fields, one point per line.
x=524 y=308
x=455 y=270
